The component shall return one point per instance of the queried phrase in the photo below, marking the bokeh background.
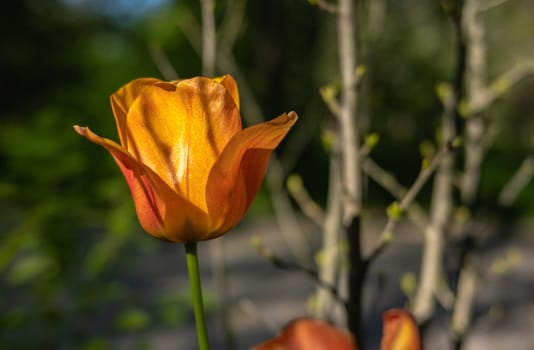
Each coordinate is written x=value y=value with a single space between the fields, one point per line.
x=69 y=238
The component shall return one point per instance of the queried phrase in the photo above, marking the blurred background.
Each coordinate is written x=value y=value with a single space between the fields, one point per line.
x=70 y=245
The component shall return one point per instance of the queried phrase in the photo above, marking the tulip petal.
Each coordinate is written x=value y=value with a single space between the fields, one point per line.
x=237 y=175
x=400 y=331
x=230 y=84
x=162 y=213
x=180 y=134
x=122 y=100
x=309 y=334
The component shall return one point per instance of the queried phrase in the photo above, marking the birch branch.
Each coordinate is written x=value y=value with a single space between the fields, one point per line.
x=309 y=207
x=518 y=182
x=473 y=31
x=325 y=5
x=280 y=263
x=388 y=182
x=329 y=262
x=209 y=44
x=350 y=166
x=441 y=205
x=461 y=317
x=504 y=82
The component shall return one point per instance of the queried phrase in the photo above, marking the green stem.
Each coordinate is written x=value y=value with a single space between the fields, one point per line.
x=196 y=291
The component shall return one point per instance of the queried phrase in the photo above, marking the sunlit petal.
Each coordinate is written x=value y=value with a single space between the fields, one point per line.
x=122 y=100
x=180 y=134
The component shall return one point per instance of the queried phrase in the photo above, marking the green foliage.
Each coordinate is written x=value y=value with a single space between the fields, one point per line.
x=294 y=183
x=372 y=140
x=394 y=211
x=133 y=319
x=329 y=92
x=95 y=344
x=408 y=284
x=29 y=267
x=510 y=260
x=328 y=139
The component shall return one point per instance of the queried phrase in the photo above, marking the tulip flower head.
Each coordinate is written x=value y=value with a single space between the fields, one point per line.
x=191 y=168
x=400 y=331
x=309 y=334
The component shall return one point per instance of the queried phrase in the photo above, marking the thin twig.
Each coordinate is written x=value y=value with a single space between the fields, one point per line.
x=474 y=33
x=192 y=30
x=325 y=6
x=232 y=24
x=502 y=84
x=388 y=182
x=444 y=295
x=409 y=197
x=490 y=4
x=282 y=264
x=253 y=311
x=162 y=62
x=329 y=265
x=208 y=38
x=461 y=317
x=309 y=207
x=328 y=94
x=518 y=182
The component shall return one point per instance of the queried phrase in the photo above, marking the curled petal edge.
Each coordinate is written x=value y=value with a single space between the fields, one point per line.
x=237 y=174
x=231 y=86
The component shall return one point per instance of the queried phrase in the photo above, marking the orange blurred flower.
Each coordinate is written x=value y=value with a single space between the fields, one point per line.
x=400 y=331
x=192 y=170
x=309 y=334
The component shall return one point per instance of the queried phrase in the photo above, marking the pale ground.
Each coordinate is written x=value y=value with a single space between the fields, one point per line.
x=263 y=298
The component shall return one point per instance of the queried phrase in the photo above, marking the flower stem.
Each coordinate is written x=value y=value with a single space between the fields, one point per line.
x=196 y=292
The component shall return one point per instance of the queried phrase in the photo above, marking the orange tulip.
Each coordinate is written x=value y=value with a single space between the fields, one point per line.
x=400 y=331
x=309 y=334
x=192 y=170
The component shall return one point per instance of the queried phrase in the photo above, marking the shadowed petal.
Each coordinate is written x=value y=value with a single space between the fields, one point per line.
x=162 y=213
x=229 y=83
x=180 y=134
x=400 y=331
x=237 y=175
